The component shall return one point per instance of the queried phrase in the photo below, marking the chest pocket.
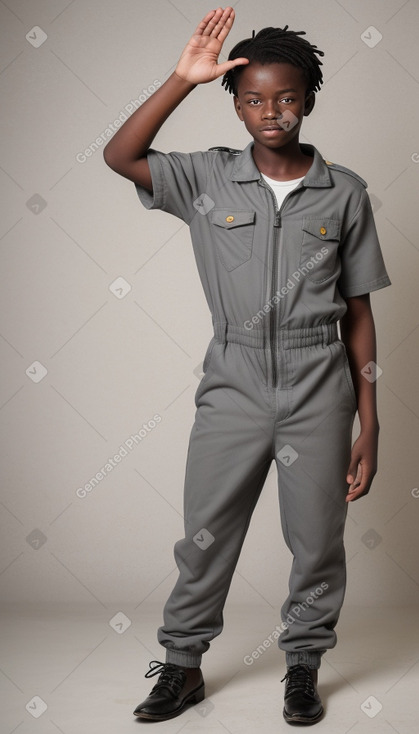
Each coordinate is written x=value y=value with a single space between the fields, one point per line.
x=319 y=248
x=233 y=233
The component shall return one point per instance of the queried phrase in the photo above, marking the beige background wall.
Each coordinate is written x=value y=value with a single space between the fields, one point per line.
x=114 y=359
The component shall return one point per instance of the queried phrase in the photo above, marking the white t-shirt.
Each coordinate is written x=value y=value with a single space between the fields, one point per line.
x=282 y=188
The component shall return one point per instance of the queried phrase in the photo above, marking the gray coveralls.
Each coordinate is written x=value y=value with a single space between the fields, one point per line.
x=276 y=384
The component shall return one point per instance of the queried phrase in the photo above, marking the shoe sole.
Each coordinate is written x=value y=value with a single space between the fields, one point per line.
x=298 y=719
x=193 y=697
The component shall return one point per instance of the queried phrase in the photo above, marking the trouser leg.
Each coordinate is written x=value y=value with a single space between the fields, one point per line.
x=312 y=486
x=228 y=459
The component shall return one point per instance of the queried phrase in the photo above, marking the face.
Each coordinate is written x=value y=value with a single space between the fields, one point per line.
x=271 y=95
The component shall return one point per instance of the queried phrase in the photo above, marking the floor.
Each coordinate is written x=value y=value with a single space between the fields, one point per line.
x=77 y=671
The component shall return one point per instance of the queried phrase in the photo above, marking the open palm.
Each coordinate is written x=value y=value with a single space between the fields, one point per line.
x=198 y=62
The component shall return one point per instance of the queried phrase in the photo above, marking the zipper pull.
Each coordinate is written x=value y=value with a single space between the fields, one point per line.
x=277 y=222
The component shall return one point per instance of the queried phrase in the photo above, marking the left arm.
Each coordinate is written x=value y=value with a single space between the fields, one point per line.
x=358 y=335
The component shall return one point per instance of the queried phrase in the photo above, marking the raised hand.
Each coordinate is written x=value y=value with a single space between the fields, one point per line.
x=198 y=62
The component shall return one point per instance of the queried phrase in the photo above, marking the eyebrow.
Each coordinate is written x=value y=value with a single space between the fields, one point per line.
x=282 y=91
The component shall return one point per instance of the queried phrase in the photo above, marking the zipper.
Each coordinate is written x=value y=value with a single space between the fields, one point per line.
x=274 y=313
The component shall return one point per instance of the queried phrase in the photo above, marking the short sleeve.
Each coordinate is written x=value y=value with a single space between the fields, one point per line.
x=363 y=268
x=178 y=179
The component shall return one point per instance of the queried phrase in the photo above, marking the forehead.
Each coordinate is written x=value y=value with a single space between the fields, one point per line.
x=280 y=75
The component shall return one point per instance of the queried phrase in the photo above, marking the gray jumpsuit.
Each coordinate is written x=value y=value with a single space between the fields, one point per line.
x=276 y=385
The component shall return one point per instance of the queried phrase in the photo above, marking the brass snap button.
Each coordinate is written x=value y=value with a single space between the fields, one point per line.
x=323 y=230
x=230 y=218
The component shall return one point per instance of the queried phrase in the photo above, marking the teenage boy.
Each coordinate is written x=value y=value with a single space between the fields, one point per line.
x=286 y=246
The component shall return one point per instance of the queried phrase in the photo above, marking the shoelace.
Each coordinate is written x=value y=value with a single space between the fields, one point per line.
x=171 y=677
x=299 y=678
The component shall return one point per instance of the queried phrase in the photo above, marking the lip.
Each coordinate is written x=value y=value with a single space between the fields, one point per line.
x=271 y=130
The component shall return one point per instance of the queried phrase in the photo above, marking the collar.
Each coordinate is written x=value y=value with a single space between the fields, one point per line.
x=244 y=167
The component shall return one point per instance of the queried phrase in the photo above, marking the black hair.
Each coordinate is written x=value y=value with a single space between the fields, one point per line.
x=276 y=45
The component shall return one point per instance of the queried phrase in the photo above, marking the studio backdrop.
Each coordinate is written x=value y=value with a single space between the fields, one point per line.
x=103 y=320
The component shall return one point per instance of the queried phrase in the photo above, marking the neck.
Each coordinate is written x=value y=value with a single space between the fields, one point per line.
x=287 y=162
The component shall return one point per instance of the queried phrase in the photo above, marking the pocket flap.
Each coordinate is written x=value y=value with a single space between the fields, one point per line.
x=324 y=229
x=229 y=218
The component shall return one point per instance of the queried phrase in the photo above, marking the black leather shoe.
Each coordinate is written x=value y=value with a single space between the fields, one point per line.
x=176 y=687
x=302 y=704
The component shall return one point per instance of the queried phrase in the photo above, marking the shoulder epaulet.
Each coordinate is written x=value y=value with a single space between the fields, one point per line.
x=337 y=167
x=234 y=151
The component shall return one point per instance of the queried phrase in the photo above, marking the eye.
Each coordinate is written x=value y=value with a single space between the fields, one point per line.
x=287 y=99
x=253 y=100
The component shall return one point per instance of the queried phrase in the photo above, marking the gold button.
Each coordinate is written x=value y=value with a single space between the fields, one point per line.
x=323 y=230
x=230 y=219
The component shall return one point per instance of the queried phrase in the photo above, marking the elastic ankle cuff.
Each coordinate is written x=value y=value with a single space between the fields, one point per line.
x=312 y=659
x=185 y=659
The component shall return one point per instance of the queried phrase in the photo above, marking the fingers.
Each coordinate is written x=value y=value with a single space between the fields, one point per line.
x=225 y=24
x=203 y=25
x=363 y=466
x=223 y=68
x=355 y=494
x=359 y=485
x=354 y=473
x=218 y=23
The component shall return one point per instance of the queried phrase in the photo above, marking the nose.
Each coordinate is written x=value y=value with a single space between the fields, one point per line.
x=270 y=112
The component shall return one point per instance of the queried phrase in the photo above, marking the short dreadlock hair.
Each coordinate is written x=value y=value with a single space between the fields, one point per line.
x=276 y=45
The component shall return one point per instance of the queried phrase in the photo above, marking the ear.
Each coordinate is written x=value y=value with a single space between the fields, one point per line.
x=309 y=103
x=238 y=108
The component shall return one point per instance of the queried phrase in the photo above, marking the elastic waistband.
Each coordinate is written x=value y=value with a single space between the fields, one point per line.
x=286 y=338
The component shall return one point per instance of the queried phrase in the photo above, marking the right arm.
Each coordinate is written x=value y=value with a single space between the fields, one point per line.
x=126 y=152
